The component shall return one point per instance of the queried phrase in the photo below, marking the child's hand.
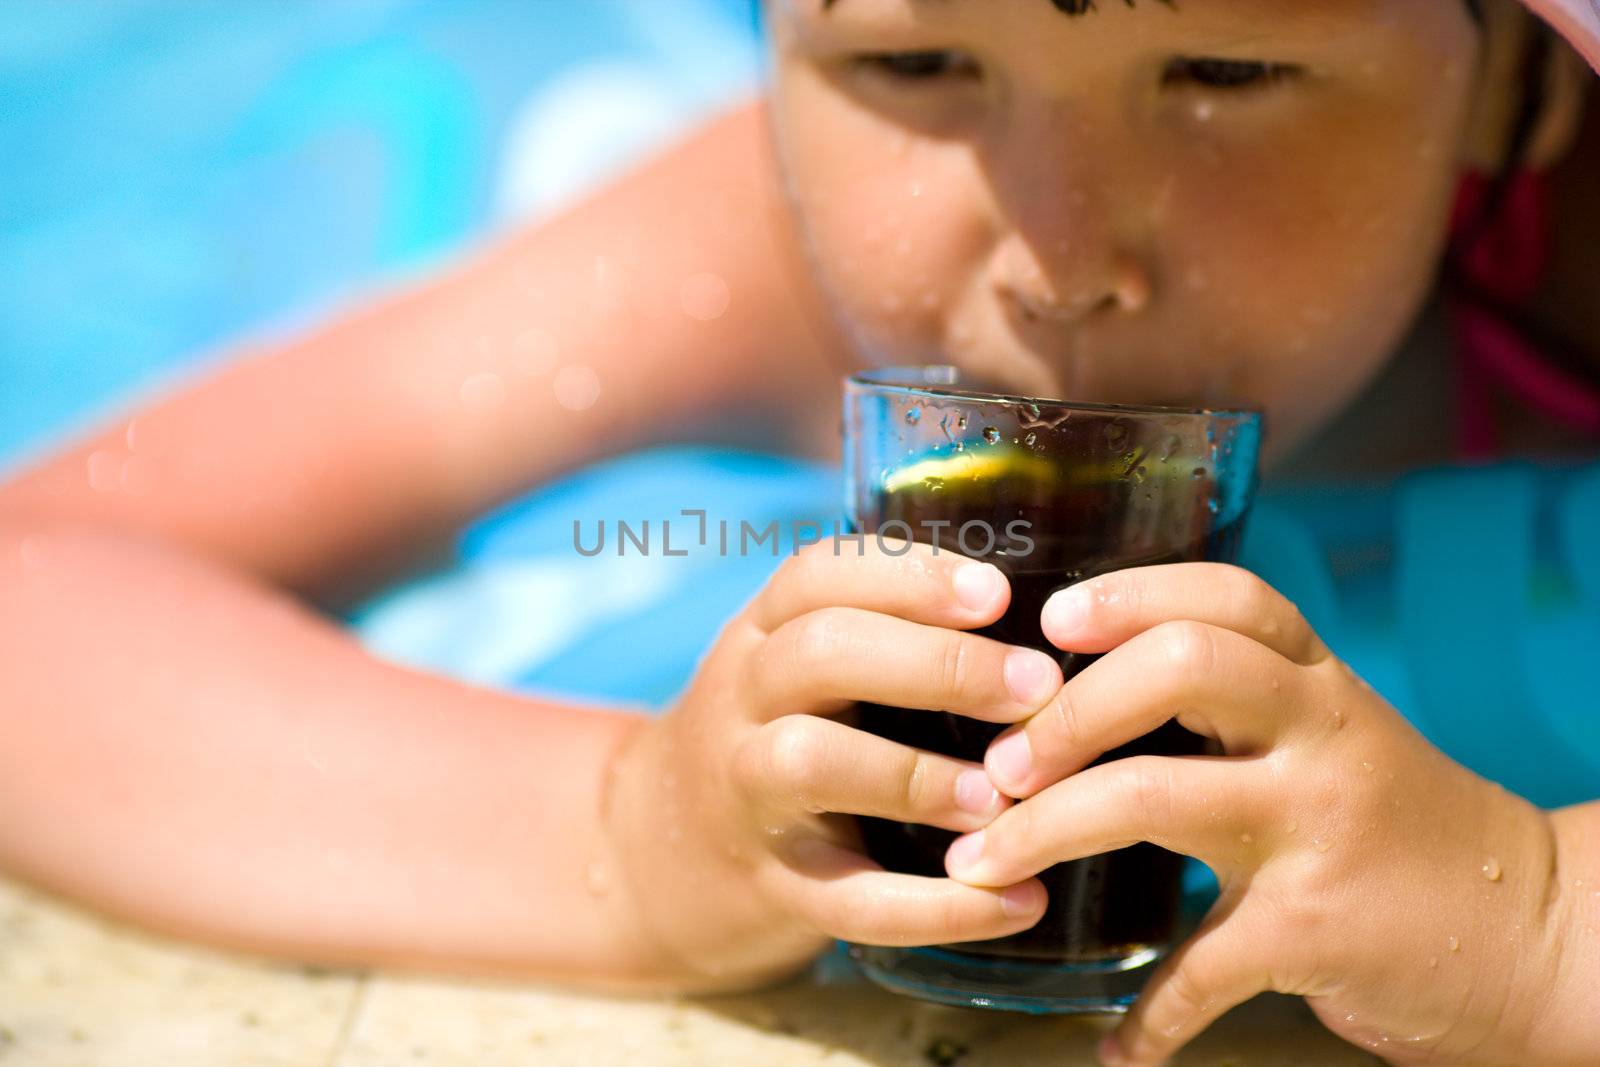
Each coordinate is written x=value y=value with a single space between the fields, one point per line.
x=1410 y=901
x=729 y=815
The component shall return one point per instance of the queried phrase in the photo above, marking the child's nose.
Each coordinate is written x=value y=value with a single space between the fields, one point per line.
x=1071 y=285
x=1060 y=254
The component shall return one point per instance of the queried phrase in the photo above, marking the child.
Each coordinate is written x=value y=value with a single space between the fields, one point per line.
x=1151 y=203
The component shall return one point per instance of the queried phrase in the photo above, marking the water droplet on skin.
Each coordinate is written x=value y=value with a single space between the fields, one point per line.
x=1455 y=944
x=1366 y=766
x=1205 y=110
x=596 y=879
x=1338 y=719
x=991 y=435
x=704 y=296
x=1245 y=839
x=576 y=387
x=914 y=190
x=483 y=393
x=929 y=300
x=31 y=554
x=1293 y=826
x=892 y=304
x=1491 y=869
x=1321 y=845
x=105 y=471
x=913 y=416
x=902 y=247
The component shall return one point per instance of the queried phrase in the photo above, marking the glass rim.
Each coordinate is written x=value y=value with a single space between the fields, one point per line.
x=922 y=381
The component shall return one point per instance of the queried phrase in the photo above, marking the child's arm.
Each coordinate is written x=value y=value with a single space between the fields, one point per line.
x=191 y=750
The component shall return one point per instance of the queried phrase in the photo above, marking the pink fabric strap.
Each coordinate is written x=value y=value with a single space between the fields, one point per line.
x=1578 y=21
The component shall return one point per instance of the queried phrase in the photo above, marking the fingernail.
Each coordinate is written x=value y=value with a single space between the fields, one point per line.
x=1020 y=900
x=1032 y=677
x=1066 y=612
x=964 y=852
x=978 y=585
x=1109 y=1052
x=975 y=792
x=1010 y=759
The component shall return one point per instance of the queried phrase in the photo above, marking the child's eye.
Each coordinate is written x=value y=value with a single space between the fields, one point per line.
x=920 y=66
x=1226 y=74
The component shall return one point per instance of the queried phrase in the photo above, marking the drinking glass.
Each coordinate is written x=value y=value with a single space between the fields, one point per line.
x=1052 y=493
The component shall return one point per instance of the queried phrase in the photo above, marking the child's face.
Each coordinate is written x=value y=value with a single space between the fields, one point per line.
x=1210 y=201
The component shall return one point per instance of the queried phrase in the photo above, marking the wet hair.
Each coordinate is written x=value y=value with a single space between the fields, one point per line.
x=1083 y=7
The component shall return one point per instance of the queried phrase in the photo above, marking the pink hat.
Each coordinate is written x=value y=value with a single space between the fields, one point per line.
x=1578 y=21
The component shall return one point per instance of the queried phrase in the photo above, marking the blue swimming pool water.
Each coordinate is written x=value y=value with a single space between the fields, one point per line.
x=177 y=174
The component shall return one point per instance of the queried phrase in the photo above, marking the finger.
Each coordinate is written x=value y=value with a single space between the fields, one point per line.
x=847 y=896
x=1100 y=614
x=1212 y=681
x=1213 y=972
x=827 y=659
x=819 y=765
x=901 y=578
x=1207 y=807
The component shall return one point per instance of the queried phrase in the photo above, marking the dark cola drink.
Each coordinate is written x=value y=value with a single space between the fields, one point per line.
x=1047 y=524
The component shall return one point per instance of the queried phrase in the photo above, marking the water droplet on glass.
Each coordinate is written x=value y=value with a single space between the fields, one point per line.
x=1031 y=440
x=1116 y=434
x=1170 y=448
x=1139 y=475
x=991 y=435
x=1198 y=474
x=1213 y=505
x=961 y=421
x=934 y=484
x=1491 y=869
x=913 y=416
